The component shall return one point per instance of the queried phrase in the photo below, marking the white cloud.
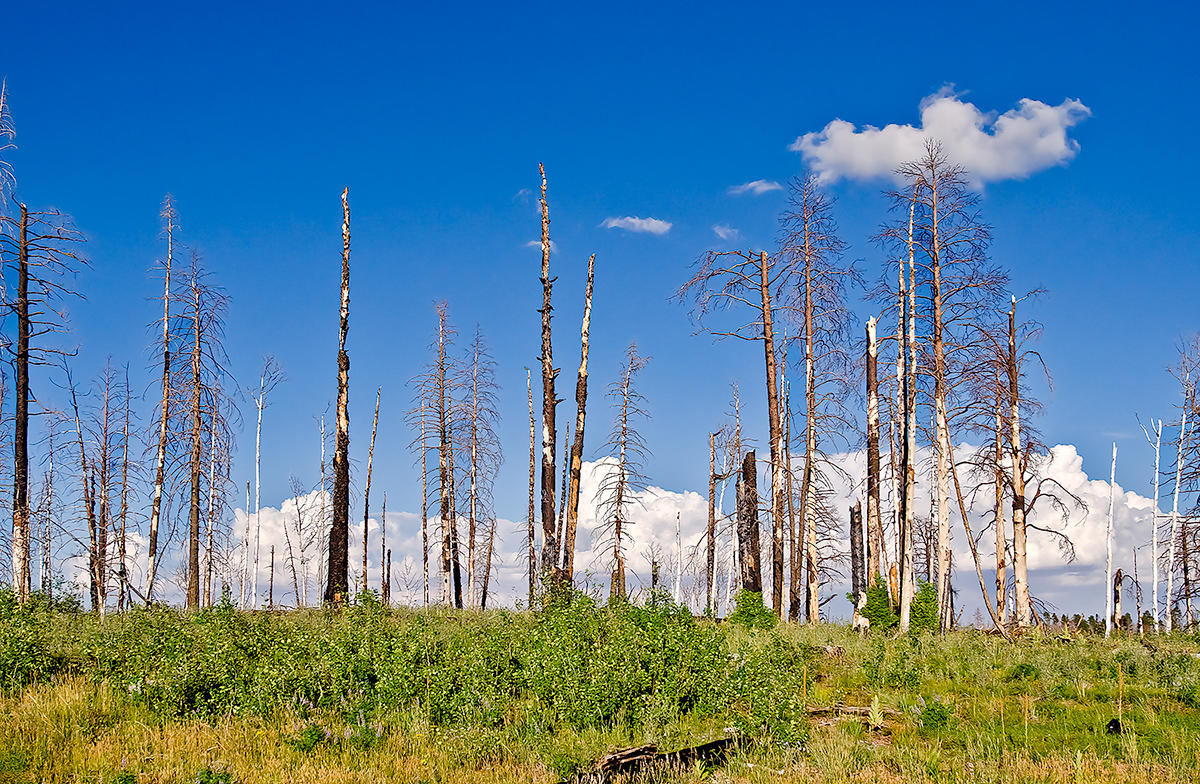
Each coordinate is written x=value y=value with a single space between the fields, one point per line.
x=538 y=244
x=755 y=187
x=1013 y=145
x=725 y=231
x=638 y=225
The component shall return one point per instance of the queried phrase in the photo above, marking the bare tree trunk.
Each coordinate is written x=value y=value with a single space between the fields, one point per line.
x=581 y=383
x=212 y=502
x=549 y=401
x=338 y=575
x=367 y=493
x=796 y=527
x=1108 y=540
x=1001 y=536
x=1175 y=511
x=747 y=525
x=385 y=562
x=271 y=582
x=193 y=589
x=20 y=534
x=424 y=509
x=858 y=566
x=1154 y=517
x=776 y=434
x=875 y=552
x=260 y=403
x=711 y=532
x=1024 y=606
x=532 y=477
x=94 y=556
x=168 y=213
x=561 y=521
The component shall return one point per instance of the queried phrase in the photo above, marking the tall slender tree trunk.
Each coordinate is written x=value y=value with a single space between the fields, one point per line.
x=385 y=563
x=1001 y=536
x=1024 y=605
x=211 y=517
x=875 y=551
x=367 y=495
x=775 y=427
x=20 y=534
x=1108 y=542
x=1154 y=521
x=581 y=383
x=532 y=540
x=161 y=454
x=123 y=594
x=907 y=578
x=193 y=587
x=424 y=507
x=549 y=401
x=1173 y=550
x=941 y=425
x=796 y=527
x=711 y=531
x=338 y=575
x=260 y=403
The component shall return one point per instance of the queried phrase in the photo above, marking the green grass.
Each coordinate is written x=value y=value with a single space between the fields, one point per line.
x=372 y=694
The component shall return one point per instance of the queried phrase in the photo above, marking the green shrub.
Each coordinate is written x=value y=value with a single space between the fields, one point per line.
x=924 y=613
x=878 y=608
x=751 y=613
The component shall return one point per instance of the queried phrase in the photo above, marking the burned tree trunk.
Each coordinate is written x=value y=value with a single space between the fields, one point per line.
x=776 y=435
x=876 y=555
x=581 y=385
x=531 y=520
x=549 y=401
x=20 y=534
x=858 y=566
x=711 y=532
x=367 y=492
x=385 y=561
x=338 y=574
x=196 y=435
x=168 y=214
x=747 y=525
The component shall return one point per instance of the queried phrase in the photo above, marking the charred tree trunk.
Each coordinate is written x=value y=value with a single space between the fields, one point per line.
x=858 y=557
x=711 y=532
x=193 y=574
x=549 y=401
x=581 y=386
x=20 y=535
x=338 y=574
x=385 y=560
x=532 y=518
x=747 y=525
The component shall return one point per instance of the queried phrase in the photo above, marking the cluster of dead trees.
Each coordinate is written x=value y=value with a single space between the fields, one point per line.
x=963 y=370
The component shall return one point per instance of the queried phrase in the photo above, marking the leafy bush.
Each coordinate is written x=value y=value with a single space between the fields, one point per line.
x=751 y=613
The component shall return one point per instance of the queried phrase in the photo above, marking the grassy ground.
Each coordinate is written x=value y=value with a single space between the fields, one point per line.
x=377 y=695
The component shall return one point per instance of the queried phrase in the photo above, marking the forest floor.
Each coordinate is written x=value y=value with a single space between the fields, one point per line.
x=370 y=694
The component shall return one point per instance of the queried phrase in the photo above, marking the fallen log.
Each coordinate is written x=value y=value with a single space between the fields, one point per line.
x=625 y=762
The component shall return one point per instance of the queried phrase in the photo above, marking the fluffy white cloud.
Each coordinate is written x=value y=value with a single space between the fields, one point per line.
x=755 y=187
x=1013 y=145
x=638 y=225
x=725 y=231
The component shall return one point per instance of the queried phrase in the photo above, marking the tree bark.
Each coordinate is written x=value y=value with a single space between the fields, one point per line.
x=549 y=401
x=338 y=575
x=747 y=525
x=1024 y=608
x=1108 y=541
x=193 y=588
x=1183 y=422
x=161 y=454
x=20 y=534
x=581 y=386
x=776 y=435
x=532 y=518
x=1001 y=535
x=711 y=531
x=858 y=558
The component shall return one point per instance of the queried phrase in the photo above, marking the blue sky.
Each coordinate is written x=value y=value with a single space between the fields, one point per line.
x=255 y=119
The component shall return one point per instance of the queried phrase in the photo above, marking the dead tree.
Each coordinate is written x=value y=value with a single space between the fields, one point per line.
x=1184 y=374
x=338 y=573
x=532 y=514
x=762 y=285
x=876 y=552
x=1156 y=442
x=747 y=525
x=270 y=377
x=549 y=400
x=367 y=496
x=576 y=465
x=1108 y=575
x=812 y=248
x=385 y=561
x=40 y=248
x=168 y=215
x=619 y=488
x=480 y=415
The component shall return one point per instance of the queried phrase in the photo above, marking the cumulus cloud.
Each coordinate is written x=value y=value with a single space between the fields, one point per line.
x=638 y=225
x=725 y=231
x=992 y=147
x=755 y=187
